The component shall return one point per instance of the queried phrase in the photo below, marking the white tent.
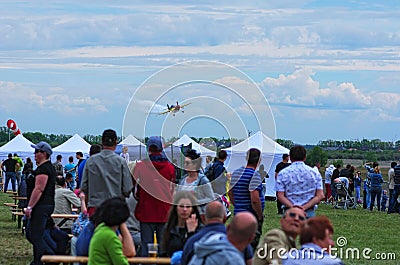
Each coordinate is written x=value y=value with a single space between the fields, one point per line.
x=174 y=150
x=271 y=155
x=19 y=145
x=136 y=149
x=70 y=147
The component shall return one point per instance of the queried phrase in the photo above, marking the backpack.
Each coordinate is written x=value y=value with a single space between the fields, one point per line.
x=210 y=173
x=58 y=167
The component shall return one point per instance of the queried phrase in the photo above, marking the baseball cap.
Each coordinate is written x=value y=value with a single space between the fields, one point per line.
x=43 y=146
x=156 y=141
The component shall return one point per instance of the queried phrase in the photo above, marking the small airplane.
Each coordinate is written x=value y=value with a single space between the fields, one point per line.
x=174 y=108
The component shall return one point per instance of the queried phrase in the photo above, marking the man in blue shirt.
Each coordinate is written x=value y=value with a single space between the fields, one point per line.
x=246 y=190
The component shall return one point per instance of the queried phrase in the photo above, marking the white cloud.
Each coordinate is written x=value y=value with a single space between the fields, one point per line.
x=299 y=89
x=18 y=96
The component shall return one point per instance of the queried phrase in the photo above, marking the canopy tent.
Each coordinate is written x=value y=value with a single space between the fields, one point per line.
x=136 y=148
x=70 y=147
x=174 y=150
x=271 y=155
x=19 y=145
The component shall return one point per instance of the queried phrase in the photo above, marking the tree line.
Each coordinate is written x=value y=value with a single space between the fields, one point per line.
x=366 y=150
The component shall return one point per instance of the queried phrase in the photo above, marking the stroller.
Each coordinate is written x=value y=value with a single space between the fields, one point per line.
x=343 y=199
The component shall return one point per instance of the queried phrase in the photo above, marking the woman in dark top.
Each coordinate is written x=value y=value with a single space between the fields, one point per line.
x=41 y=190
x=376 y=188
x=28 y=167
x=183 y=221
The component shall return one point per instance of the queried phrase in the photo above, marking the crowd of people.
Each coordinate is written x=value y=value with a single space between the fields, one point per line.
x=127 y=207
x=373 y=194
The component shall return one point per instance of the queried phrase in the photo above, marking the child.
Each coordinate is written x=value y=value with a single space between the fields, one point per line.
x=357 y=186
x=384 y=201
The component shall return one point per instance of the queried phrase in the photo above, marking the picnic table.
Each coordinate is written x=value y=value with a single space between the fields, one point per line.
x=64 y=217
x=83 y=259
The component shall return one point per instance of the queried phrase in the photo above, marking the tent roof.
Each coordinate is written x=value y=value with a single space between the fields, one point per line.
x=72 y=145
x=185 y=140
x=17 y=144
x=261 y=141
x=131 y=141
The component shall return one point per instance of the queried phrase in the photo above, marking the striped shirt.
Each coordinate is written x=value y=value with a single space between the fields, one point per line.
x=244 y=180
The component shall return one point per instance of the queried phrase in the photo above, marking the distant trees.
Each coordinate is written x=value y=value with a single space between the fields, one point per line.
x=317 y=154
x=366 y=150
x=364 y=144
x=286 y=143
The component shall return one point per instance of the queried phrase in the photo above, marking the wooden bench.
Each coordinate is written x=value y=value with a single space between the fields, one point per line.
x=64 y=217
x=82 y=259
x=10 y=204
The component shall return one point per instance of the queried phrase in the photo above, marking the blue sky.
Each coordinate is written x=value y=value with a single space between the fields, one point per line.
x=327 y=69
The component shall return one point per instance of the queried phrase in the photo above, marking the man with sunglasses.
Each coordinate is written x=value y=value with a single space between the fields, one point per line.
x=278 y=241
x=41 y=192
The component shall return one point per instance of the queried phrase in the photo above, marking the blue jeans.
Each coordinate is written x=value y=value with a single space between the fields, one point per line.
x=393 y=199
x=18 y=177
x=35 y=230
x=376 y=192
x=368 y=197
x=358 y=188
x=12 y=176
x=147 y=235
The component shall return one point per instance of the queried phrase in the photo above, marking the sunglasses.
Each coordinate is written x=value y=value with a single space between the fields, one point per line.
x=38 y=151
x=294 y=215
x=184 y=206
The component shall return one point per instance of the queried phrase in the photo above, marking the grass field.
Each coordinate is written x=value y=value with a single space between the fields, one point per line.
x=362 y=229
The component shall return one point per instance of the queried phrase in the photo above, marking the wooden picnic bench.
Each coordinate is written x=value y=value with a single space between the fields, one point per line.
x=64 y=217
x=82 y=259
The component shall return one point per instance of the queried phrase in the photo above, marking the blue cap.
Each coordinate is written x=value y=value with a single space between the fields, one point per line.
x=43 y=146
x=156 y=141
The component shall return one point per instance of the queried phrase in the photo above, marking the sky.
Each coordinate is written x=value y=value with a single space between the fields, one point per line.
x=299 y=70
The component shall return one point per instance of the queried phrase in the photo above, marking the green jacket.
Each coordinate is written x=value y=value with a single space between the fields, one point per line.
x=272 y=247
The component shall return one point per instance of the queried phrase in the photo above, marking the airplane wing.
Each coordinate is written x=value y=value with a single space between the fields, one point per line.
x=184 y=105
x=164 y=112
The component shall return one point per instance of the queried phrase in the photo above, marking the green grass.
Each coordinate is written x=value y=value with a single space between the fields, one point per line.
x=362 y=229
x=15 y=249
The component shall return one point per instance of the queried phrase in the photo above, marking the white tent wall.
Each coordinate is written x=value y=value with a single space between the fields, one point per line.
x=271 y=155
x=136 y=149
x=268 y=160
x=69 y=148
x=174 y=151
x=19 y=145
